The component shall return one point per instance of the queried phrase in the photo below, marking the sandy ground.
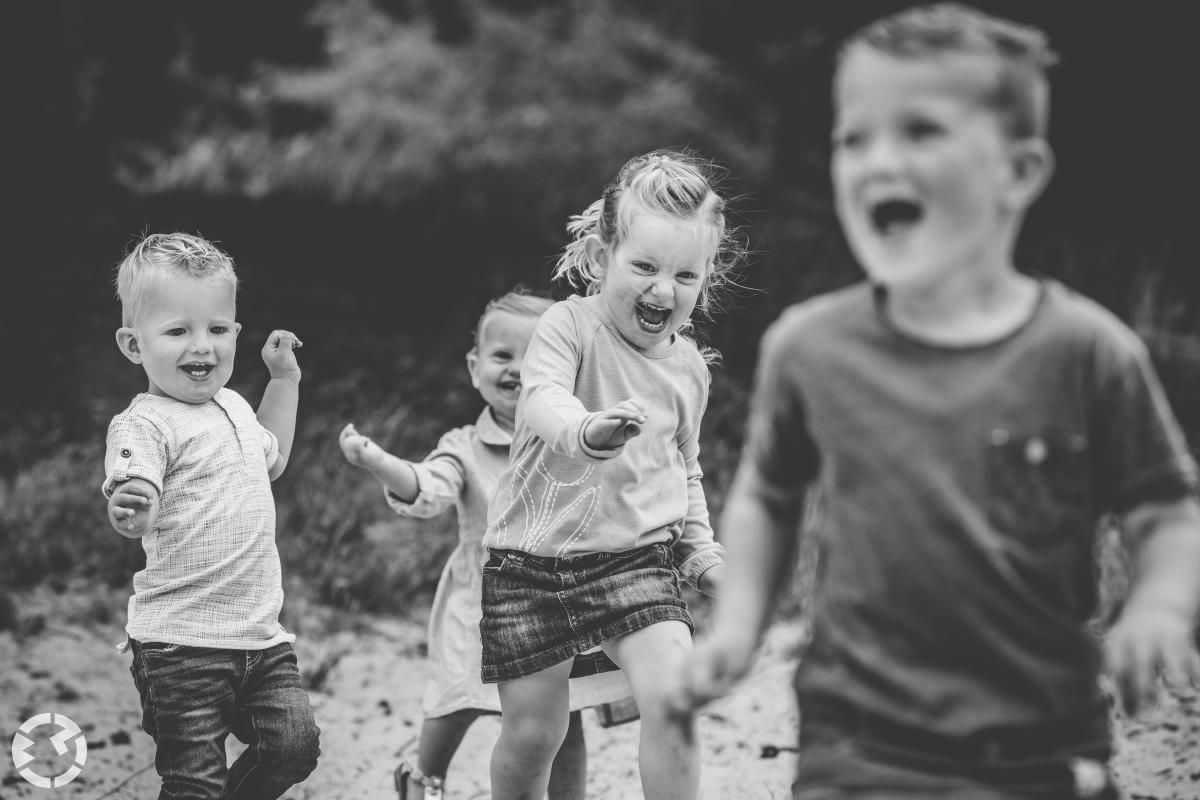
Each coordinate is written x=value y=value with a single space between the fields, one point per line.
x=367 y=679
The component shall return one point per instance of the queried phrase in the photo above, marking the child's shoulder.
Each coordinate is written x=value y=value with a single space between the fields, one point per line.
x=1086 y=320
x=825 y=316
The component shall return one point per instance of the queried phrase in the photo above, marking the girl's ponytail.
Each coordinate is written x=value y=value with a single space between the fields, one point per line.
x=574 y=264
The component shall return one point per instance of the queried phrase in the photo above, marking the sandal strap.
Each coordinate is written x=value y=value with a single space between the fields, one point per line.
x=411 y=772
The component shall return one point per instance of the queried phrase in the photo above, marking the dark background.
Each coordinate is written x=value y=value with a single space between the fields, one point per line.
x=380 y=168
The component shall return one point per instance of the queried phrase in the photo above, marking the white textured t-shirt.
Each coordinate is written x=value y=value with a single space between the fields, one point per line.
x=212 y=576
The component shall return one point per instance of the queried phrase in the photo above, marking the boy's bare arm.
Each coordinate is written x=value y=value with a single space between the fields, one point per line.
x=396 y=474
x=277 y=411
x=133 y=507
x=1154 y=636
x=760 y=536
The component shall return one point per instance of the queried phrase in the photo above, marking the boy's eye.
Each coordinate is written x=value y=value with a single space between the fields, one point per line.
x=175 y=331
x=922 y=129
x=502 y=355
x=219 y=329
x=847 y=140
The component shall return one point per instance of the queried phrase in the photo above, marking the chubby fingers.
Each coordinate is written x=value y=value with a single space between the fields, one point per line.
x=286 y=340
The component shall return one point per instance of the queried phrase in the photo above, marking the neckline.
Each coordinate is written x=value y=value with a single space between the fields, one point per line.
x=879 y=306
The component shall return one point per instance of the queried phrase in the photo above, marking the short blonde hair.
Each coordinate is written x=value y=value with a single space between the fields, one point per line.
x=160 y=256
x=1019 y=94
x=519 y=302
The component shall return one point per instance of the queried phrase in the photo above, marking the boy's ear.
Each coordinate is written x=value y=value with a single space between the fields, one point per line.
x=472 y=363
x=128 y=345
x=1032 y=164
x=596 y=252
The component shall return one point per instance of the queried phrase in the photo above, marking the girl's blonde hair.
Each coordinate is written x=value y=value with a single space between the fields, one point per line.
x=668 y=182
x=160 y=256
x=518 y=302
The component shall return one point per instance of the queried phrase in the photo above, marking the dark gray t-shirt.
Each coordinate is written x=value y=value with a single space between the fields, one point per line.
x=960 y=492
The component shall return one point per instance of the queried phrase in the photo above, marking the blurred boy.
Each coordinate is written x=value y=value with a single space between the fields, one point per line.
x=967 y=425
x=188 y=471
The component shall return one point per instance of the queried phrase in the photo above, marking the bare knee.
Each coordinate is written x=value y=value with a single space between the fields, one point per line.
x=531 y=737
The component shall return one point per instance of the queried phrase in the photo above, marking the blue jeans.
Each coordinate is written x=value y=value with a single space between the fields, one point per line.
x=194 y=697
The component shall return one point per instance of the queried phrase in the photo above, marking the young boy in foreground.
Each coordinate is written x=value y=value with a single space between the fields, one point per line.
x=966 y=425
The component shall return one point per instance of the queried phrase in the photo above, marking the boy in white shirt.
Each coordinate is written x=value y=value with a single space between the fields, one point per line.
x=188 y=470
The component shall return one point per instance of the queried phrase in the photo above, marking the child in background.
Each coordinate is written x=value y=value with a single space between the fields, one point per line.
x=462 y=473
x=188 y=470
x=601 y=508
x=967 y=424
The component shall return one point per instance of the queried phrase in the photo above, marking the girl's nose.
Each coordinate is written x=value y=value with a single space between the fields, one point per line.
x=663 y=289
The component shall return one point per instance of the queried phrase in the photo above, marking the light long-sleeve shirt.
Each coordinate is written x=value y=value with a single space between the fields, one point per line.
x=560 y=497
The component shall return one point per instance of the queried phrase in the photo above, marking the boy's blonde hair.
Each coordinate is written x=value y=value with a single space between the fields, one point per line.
x=518 y=302
x=667 y=182
x=160 y=256
x=1020 y=95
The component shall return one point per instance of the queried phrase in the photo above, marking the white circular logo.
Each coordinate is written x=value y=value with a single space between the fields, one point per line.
x=67 y=731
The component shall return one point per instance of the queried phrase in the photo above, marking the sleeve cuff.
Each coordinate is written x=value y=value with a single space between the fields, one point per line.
x=696 y=565
x=590 y=452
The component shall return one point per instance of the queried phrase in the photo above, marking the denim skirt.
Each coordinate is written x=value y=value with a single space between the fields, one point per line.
x=539 y=611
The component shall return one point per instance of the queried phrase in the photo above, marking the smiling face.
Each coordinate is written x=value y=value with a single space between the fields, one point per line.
x=652 y=279
x=495 y=363
x=184 y=336
x=923 y=172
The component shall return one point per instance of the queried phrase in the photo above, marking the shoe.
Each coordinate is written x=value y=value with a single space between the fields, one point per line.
x=406 y=772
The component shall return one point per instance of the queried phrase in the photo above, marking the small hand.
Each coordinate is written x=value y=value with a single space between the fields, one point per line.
x=717 y=663
x=359 y=450
x=279 y=356
x=130 y=507
x=1149 y=640
x=614 y=426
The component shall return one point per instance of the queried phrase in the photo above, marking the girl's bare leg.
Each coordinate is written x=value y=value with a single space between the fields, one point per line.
x=440 y=738
x=568 y=773
x=652 y=659
x=533 y=724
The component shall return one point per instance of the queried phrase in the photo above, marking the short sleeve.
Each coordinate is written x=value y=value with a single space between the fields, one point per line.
x=270 y=447
x=780 y=456
x=135 y=448
x=1141 y=453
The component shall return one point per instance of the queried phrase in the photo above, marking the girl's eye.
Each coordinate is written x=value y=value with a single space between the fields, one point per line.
x=688 y=276
x=642 y=266
x=175 y=332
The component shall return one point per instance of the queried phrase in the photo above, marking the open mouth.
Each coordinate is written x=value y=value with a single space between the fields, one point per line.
x=652 y=318
x=895 y=216
x=510 y=386
x=197 y=370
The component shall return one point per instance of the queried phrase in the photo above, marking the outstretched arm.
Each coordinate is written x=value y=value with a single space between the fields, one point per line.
x=1154 y=634
x=133 y=507
x=396 y=474
x=277 y=411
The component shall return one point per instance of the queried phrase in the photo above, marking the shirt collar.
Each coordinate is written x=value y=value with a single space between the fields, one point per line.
x=490 y=431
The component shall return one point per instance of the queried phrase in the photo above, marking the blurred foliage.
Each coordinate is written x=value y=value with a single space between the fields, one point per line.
x=522 y=118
